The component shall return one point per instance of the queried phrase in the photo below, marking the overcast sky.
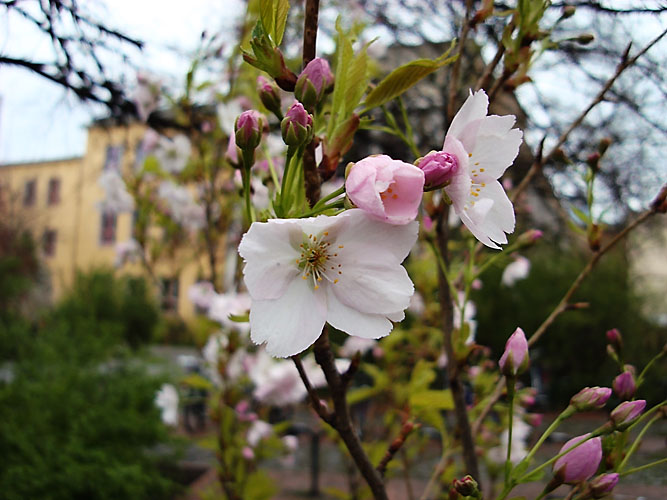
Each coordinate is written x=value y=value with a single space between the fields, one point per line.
x=39 y=121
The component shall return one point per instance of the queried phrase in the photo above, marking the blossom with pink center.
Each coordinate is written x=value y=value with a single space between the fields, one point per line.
x=387 y=189
x=484 y=146
x=345 y=270
x=580 y=463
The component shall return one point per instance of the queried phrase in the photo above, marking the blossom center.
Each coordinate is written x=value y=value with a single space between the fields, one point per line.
x=318 y=259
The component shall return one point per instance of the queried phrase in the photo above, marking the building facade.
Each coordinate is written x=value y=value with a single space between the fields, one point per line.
x=59 y=202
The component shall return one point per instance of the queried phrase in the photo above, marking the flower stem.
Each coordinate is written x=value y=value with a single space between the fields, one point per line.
x=636 y=443
x=510 y=396
x=565 y=414
x=642 y=467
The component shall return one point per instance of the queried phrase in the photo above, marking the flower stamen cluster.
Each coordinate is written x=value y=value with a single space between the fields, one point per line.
x=315 y=258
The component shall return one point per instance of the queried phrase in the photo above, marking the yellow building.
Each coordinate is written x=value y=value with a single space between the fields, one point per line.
x=59 y=202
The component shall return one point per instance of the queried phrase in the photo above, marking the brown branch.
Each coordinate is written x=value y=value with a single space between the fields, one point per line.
x=315 y=401
x=456 y=68
x=342 y=421
x=311 y=175
x=563 y=305
x=483 y=80
x=396 y=445
x=453 y=368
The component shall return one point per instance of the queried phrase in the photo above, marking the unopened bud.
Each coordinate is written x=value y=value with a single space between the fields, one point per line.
x=593 y=161
x=626 y=412
x=466 y=486
x=248 y=129
x=269 y=95
x=568 y=11
x=514 y=360
x=580 y=463
x=439 y=168
x=590 y=398
x=603 y=484
x=614 y=338
x=529 y=238
x=585 y=39
x=297 y=126
x=314 y=82
x=603 y=145
x=624 y=385
x=594 y=236
x=560 y=155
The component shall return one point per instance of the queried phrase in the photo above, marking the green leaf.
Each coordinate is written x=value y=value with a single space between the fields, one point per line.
x=239 y=318
x=259 y=486
x=273 y=15
x=357 y=395
x=196 y=382
x=583 y=217
x=404 y=77
x=432 y=399
x=344 y=55
x=422 y=376
x=357 y=80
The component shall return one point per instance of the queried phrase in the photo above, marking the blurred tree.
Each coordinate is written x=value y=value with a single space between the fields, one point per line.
x=80 y=49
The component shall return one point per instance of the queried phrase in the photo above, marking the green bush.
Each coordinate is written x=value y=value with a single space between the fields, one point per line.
x=78 y=418
x=572 y=354
x=122 y=305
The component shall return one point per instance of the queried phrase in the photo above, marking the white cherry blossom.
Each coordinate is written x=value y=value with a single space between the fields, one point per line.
x=484 y=146
x=515 y=271
x=345 y=270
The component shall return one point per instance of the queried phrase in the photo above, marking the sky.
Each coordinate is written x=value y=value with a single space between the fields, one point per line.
x=40 y=121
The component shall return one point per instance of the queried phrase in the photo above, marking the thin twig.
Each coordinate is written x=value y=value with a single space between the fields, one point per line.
x=483 y=80
x=623 y=65
x=561 y=307
x=395 y=445
x=311 y=175
x=318 y=406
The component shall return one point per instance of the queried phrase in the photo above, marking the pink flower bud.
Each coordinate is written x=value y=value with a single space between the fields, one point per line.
x=603 y=484
x=297 y=125
x=529 y=238
x=466 y=486
x=247 y=453
x=614 y=338
x=315 y=80
x=387 y=189
x=269 y=95
x=626 y=412
x=624 y=385
x=439 y=167
x=514 y=360
x=248 y=128
x=580 y=463
x=590 y=398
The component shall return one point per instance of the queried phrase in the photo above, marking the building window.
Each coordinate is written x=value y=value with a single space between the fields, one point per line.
x=113 y=158
x=169 y=294
x=49 y=242
x=108 y=228
x=30 y=193
x=54 y=191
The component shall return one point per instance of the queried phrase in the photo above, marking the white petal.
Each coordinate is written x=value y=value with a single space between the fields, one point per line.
x=354 y=322
x=373 y=287
x=472 y=219
x=370 y=240
x=268 y=249
x=474 y=108
x=494 y=153
x=291 y=323
x=458 y=189
x=397 y=316
x=501 y=214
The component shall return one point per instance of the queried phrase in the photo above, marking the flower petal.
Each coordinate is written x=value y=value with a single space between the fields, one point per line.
x=494 y=153
x=380 y=240
x=291 y=323
x=354 y=322
x=501 y=215
x=373 y=287
x=474 y=108
x=269 y=254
